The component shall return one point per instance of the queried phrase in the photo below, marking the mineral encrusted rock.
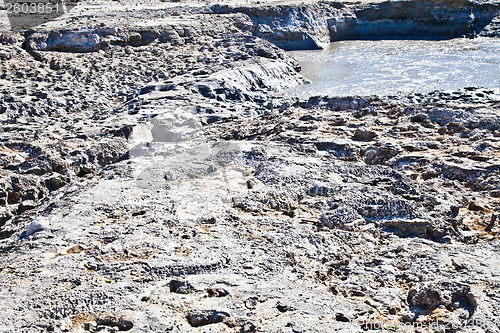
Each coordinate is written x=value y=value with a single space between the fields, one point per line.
x=154 y=178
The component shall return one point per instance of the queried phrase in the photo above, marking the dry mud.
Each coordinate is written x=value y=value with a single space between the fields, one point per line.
x=153 y=178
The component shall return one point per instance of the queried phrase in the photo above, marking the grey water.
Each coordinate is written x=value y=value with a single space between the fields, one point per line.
x=389 y=67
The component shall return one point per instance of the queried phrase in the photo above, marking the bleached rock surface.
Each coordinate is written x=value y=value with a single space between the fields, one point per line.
x=154 y=179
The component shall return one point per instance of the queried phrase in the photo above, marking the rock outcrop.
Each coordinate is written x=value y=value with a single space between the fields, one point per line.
x=312 y=26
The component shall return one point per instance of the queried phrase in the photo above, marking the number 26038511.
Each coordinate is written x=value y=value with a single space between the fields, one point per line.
x=33 y=8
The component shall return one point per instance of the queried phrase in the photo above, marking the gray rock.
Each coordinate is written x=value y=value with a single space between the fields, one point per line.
x=364 y=135
x=197 y=318
x=180 y=287
x=38 y=224
x=155 y=138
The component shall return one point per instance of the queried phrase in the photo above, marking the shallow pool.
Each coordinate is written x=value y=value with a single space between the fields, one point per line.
x=387 y=67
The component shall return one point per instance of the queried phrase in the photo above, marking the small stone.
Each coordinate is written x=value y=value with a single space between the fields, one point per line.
x=430 y=173
x=284 y=307
x=197 y=318
x=408 y=317
x=455 y=210
x=491 y=225
x=248 y=327
x=38 y=224
x=447 y=239
x=25 y=205
x=342 y=318
x=111 y=321
x=54 y=183
x=180 y=287
x=473 y=206
x=363 y=135
x=419 y=118
x=430 y=297
x=217 y=292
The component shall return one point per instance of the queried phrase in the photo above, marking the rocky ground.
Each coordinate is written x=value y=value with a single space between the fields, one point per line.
x=155 y=179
